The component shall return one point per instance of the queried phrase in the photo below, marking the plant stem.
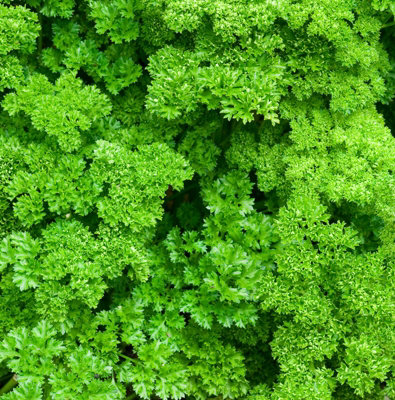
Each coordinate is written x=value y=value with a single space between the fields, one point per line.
x=388 y=25
x=40 y=38
x=9 y=385
x=126 y=357
x=132 y=397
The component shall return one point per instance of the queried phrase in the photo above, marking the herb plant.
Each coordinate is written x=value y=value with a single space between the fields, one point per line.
x=197 y=199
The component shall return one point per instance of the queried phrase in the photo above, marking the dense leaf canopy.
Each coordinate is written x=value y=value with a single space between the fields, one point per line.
x=197 y=199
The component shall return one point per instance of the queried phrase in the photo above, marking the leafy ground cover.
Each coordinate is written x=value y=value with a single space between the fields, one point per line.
x=197 y=199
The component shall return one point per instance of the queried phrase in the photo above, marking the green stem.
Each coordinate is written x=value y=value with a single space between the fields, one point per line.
x=115 y=383
x=9 y=385
x=132 y=397
x=40 y=38
x=127 y=358
x=388 y=25
x=46 y=389
x=4 y=379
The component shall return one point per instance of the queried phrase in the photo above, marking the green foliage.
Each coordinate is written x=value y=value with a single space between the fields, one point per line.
x=33 y=354
x=137 y=181
x=77 y=46
x=18 y=30
x=117 y=18
x=63 y=110
x=197 y=199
